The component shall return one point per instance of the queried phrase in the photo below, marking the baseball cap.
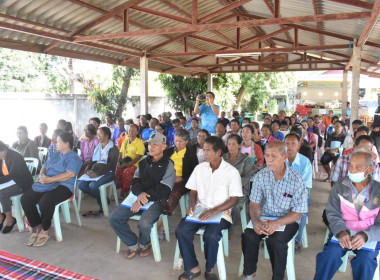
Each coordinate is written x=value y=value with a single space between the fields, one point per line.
x=157 y=138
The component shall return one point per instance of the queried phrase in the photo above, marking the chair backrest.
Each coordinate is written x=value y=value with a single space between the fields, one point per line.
x=32 y=164
x=42 y=154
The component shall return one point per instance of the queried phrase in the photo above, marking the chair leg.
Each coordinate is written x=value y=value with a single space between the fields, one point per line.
x=343 y=267
x=118 y=244
x=113 y=187
x=305 y=243
x=202 y=243
x=103 y=198
x=176 y=256
x=220 y=262
x=266 y=253
x=57 y=225
x=155 y=243
x=66 y=212
x=166 y=227
x=79 y=199
x=77 y=212
x=16 y=202
x=225 y=242
x=243 y=218
x=182 y=206
x=290 y=270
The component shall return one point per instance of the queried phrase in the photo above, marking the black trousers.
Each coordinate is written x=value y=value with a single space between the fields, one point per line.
x=277 y=245
x=46 y=201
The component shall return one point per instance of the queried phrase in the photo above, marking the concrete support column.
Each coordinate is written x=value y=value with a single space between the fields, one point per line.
x=75 y=109
x=344 y=93
x=143 y=85
x=209 y=82
x=356 y=59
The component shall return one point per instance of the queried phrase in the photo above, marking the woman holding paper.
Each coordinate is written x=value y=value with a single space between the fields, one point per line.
x=107 y=153
x=15 y=179
x=55 y=185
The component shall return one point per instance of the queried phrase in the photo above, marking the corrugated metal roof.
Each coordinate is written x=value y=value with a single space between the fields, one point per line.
x=35 y=25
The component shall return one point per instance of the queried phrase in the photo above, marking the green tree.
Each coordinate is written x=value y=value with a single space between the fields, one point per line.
x=182 y=91
x=114 y=98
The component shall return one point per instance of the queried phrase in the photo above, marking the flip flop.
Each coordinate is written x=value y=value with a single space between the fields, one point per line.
x=188 y=275
x=41 y=240
x=146 y=251
x=92 y=213
x=210 y=276
x=131 y=254
x=32 y=238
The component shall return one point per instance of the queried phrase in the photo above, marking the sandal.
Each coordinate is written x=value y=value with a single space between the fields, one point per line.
x=41 y=240
x=92 y=213
x=32 y=238
x=188 y=275
x=211 y=276
x=132 y=253
x=146 y=251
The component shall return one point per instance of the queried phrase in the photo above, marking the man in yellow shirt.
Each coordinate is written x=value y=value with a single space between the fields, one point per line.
x=131 y=151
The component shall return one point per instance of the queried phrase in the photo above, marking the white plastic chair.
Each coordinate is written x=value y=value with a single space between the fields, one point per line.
x=32 y=164
x=66 y=214
x=220 y=257
x=42 y=154
x=153 y=237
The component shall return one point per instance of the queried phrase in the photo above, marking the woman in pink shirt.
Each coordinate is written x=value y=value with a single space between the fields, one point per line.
x=88 y=144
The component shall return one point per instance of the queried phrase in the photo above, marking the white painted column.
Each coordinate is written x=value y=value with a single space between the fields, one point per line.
x=209 y=82
x=356 y=59
x=143 y=85
x=344 y=93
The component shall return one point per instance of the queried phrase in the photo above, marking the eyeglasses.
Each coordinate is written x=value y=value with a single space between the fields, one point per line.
x=201 y=136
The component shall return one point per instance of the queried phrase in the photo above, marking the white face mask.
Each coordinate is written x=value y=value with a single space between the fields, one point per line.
x=357 y=177
x=126 y=127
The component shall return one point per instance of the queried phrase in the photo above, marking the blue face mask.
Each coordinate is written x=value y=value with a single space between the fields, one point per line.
x=126 y=127
x=357 y=177
x=243 y=124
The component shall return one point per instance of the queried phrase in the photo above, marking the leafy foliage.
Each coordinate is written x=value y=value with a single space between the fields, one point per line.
x=182 y=91
x=114 y=98
x=31 y=72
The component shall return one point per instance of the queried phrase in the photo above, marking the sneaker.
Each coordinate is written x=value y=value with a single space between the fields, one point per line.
x=247 y=277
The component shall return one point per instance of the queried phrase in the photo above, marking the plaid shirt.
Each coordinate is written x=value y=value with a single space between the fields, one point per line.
x=341 y=169
x=288 y=194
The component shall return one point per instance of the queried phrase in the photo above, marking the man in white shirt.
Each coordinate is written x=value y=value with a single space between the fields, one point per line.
x=215 y=187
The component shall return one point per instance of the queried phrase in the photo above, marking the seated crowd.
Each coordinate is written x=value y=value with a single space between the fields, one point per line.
x=222 y=166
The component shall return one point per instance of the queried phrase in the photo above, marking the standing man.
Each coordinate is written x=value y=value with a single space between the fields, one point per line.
x=153 y=181
x=208 y=111
x=212 y=191
x=278 y=191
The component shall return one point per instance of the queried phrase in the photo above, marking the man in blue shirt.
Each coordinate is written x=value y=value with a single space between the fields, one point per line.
x=277 y=191
x=208 y=111
x=276 y=133
x=166 y=122
x=147 y=132
x=301 y=164
x=119 y=129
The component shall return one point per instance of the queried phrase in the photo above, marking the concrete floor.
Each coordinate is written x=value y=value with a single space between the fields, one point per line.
x=90 y=250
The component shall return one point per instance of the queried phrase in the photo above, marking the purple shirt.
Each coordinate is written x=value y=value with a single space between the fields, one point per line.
x=87 y=148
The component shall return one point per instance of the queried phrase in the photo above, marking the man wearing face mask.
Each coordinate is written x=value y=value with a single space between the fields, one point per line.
x=354 y=221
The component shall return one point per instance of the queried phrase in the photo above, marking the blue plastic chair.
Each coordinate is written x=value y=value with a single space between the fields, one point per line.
x=220 y=258
x=32 y=164
x=153 y=237
x=16 y=202
x=42 y=154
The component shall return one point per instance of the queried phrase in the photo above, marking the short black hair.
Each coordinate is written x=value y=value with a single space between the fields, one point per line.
x=267 y=126
x=247 y=119
x=69 y=127
x=96 y=119
x=235 y=120
x=148 y=117
x=161 y=125
x=91 y=128
x=293 y=134
x=237 y=137
x=333 y=118
x=296 y=130
x=57 y=131
x=175 y=121
x=358 y=122
x=109 y=115
x=284 y=123
x=235 y=113
x=362 y=128
x=106 y=131
x=210 y=92
x=364 y=137
x=3 y=146
x=277 y=122
x=251 y=128
x=195 y=119
x=217 y=144
x=67 y=138
x=310 y=118
x=204 y=131
x=182 y=118
x=341 y=123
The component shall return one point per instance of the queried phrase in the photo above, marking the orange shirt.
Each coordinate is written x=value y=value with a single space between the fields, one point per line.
x=327 y=121
x=120 y=140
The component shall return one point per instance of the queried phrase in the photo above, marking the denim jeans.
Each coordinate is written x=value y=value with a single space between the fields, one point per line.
x=213 y=233
x=329 y=261
x=277 y=245
x=119 y=222
x=301 y=228
x=92 y=187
